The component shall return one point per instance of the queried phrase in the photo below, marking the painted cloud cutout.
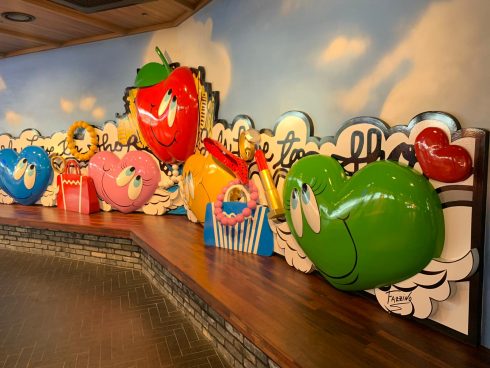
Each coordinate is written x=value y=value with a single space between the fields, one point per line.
x=416 y=295
x=286 y=245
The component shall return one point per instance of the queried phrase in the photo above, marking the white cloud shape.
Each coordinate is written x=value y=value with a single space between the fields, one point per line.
x=67 y=105
x=448 y=66
x=290 y=6
x=343 y=48
x=98 y=113
x=2 y=84
x=87 y=103
x=191 y=44
x=13 y=118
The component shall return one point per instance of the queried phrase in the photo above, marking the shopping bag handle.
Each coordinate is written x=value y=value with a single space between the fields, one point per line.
x=72 y=167
x=252 y=195
x=237 y=193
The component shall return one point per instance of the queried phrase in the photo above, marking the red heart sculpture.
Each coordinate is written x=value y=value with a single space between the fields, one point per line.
x=439 y=159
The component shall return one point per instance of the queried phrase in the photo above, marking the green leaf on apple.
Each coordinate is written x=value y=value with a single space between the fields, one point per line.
x=153 y=73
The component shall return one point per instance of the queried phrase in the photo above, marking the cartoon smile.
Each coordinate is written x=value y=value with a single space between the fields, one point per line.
x=336 y=279
x=174 y=140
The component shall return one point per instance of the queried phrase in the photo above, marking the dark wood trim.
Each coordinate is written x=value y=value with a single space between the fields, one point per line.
x=28 y=37
x=478 y=230
x=185 y=4
x=76 y=15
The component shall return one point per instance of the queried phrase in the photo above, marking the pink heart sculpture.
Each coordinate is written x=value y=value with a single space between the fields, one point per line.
x=127 y=183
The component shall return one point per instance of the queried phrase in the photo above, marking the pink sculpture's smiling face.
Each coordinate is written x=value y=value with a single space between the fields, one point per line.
x=127 y=183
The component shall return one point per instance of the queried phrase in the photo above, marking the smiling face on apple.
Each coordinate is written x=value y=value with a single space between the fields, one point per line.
x=168 y=116
x=379 y=227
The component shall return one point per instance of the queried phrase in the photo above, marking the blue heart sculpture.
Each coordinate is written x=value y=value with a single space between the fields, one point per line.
x=25 y=176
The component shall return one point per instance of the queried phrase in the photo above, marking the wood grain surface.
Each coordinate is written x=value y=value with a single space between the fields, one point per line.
x=297 y=319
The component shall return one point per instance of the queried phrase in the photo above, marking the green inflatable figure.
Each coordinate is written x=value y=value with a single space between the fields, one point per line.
x=381 y=226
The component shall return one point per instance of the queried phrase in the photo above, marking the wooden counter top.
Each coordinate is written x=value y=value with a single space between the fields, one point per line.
x=297 y=319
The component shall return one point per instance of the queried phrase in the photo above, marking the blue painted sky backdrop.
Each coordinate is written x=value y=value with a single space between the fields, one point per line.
x=276 y=49
x=333 y=59
x=50 y=90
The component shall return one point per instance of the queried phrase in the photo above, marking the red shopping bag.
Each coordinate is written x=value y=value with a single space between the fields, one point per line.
x=76 y=191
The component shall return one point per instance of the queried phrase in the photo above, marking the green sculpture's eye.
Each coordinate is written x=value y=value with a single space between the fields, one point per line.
x=30 y=176
x=296 y=215
x=125 y=176
x=135 y=187
x=310 y=208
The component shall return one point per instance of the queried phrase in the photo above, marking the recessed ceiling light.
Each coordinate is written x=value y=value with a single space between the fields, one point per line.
x=18 y=17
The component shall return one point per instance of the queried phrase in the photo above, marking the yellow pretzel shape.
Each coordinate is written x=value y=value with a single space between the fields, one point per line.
x=71 y=142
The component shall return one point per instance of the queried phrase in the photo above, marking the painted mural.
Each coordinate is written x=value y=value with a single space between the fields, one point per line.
x=332 y=59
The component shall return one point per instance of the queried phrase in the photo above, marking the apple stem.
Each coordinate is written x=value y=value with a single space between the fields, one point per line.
x=164 y=60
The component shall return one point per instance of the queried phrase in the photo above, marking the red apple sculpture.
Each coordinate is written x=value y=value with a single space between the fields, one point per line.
x=168 y=116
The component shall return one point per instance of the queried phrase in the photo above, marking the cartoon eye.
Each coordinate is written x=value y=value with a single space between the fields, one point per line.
x=296 y=216
x=172 y=111
x=310 y=208
x=135 y=187
x=20 y=168
x=190 y=185
x=30 y=176
x=125 y=176
x=165 y=102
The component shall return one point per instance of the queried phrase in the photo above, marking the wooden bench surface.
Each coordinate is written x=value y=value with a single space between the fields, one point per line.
x=297 y=319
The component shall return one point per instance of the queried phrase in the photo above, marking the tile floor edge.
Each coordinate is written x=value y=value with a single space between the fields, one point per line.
x=234 y=347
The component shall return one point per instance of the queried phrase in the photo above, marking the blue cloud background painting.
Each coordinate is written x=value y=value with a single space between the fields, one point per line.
x=49 y=90
x=276 y=50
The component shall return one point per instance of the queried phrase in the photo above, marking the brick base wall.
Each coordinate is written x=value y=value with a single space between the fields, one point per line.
x=236 y=349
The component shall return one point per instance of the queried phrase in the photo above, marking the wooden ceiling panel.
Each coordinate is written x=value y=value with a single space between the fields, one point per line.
x=48 y=24
x=57 y=30
x=58 y=26
x=9 y=44
x=156 y=12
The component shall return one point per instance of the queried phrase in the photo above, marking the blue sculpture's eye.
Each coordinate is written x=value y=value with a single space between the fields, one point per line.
x=296 y=215
x=165 y=102
x=30 y=176
x=310 y=208
x=20 y=168
x=135 y=187
x=172 y=111
x=125 y=176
